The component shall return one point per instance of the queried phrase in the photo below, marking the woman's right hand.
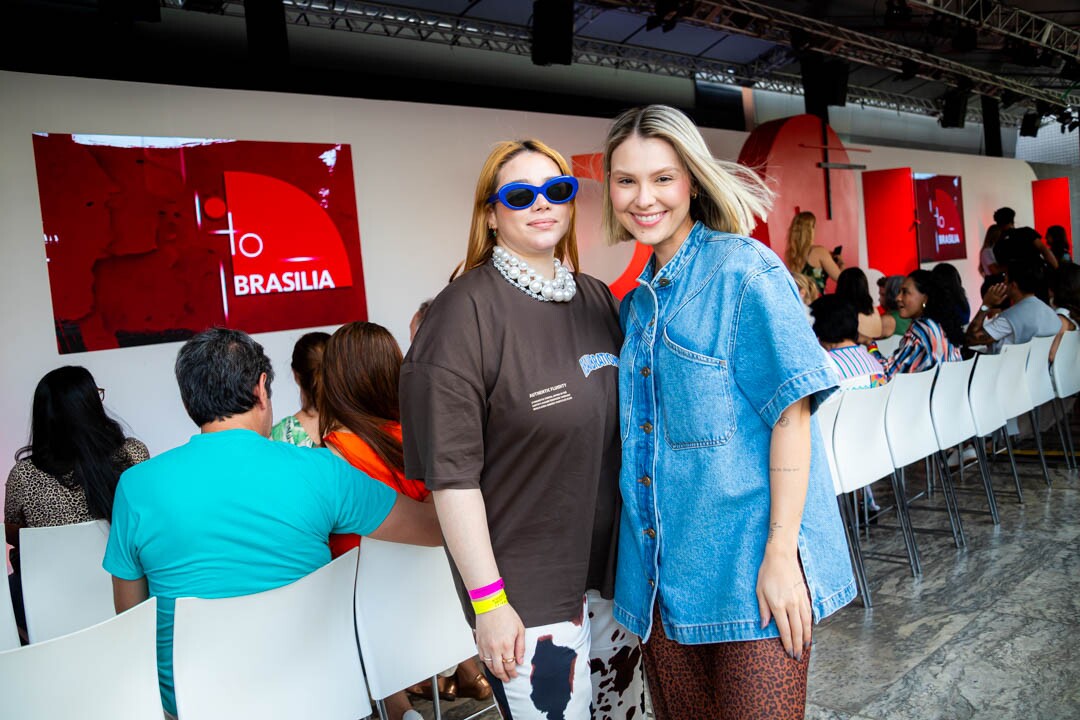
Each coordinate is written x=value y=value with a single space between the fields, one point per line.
x=500 y=636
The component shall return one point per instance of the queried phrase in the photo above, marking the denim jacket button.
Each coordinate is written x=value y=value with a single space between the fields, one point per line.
x=652 y=584
x=645 y=480
x=645 y=371
x=647 y=427
x=650 y=532
x=663 y=282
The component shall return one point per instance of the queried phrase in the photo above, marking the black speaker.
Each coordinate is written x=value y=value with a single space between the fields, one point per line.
x=825 y=82
x=267 y=36
x=718 y=106
x=1029 y=126
x=991 y=118
x=954 y=107
x=553 y=32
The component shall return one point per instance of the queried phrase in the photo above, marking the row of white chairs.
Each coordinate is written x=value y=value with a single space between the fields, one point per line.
x=294 y=651
x=871 y=434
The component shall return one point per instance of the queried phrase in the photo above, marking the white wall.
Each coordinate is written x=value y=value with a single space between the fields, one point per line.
x=409 y=248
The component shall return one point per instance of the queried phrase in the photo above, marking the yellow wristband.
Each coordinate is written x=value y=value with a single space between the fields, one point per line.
x=490 y=603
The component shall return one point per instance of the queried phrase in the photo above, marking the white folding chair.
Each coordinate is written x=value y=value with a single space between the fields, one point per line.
x=826 y=417
x=910 y=431
x=64 y=586
x=1014 y=393
x=986 y=409
x=9 y=633
x=862 y=457
x=277 y=655
x=407 y=637
x=950 y=411
x=1041 y=387
x=887 y=345
x=1065 y=372
x=104 y=672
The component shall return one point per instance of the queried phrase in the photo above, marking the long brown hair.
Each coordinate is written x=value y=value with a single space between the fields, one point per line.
x=800 y=240
x=481 y=239
x=359 y=390
x=307 y=357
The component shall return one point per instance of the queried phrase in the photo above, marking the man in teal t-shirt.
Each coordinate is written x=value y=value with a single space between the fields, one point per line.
x=231 y=512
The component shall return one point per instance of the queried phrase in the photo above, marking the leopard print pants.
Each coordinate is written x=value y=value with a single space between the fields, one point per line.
x=752 y=680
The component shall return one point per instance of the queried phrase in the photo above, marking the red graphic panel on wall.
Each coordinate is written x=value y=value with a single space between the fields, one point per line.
x=1050 y=199
x=939 y=204
x=152 y=240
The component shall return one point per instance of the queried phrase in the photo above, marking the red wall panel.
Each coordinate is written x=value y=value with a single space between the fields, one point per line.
x=889 y=207
x=1051 y=201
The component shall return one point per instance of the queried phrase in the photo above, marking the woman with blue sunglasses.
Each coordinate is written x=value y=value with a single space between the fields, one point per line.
x=509 y=399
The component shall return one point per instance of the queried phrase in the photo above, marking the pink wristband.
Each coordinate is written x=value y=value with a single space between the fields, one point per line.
x=483 y=592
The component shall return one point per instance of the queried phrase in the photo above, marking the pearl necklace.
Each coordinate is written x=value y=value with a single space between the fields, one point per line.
x=524 y=278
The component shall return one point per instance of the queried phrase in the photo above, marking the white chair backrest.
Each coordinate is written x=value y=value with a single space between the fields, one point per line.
x=983 y=394
x=908 y=425
x=103 y=672
x=408 y=616
x=64 y=586
x=1066 y=367
x=859 y=442
x=281 y=654
x=1012 y=388
x=1038 y=370
x=9 y=634
x=826 y=419
x=950 y=408
x=887 y=346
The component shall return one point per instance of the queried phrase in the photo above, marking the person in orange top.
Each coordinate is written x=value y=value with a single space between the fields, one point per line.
x=359 y=420
x=358 y=410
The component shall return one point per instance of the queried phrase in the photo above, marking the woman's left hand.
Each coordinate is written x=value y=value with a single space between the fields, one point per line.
x=782 y=595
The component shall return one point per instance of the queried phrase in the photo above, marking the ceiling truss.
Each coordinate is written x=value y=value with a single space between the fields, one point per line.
x=447 y=29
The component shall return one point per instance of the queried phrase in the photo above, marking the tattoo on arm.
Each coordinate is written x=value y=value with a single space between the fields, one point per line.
x=773 y=527
x=783 y=469
x=783 y=421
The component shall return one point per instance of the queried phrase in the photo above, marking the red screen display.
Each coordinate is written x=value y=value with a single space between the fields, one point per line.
x=940 y=211
x=152 y=240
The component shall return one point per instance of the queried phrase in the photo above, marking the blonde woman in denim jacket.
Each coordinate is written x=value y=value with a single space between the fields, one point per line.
x=730 y=544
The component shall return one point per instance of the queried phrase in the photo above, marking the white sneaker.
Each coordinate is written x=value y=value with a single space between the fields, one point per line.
x=412 y=715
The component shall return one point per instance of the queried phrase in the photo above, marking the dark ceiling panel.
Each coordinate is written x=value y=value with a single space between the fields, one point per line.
x=739 y=49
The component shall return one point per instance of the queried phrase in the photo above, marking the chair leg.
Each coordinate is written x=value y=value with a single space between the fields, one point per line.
x=904 y=518
x=855 y=550
x=1012 y=463
x=435 y=697
x=984 y=471
x=1062 y=427
x=1039 y=445
x=951 y=504
x=381 y=707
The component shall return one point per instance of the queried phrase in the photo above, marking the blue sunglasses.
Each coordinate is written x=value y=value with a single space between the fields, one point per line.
x=518 y=195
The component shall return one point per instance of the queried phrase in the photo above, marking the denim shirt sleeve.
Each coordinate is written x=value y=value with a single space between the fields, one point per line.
x=776 y=360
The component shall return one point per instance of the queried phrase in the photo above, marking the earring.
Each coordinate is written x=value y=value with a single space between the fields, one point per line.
x=693 y=195
x=494 y=232
x=924 y=306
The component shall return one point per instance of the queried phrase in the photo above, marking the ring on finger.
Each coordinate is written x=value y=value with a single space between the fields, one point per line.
x=486 y=659
x=509 y=660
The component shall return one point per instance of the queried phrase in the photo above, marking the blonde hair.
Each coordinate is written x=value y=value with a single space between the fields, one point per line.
x=481 y=238
x=800 y=238
x=808 y=289
x=729 y=196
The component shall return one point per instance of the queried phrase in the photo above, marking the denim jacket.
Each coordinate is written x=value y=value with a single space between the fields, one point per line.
x=717 y=346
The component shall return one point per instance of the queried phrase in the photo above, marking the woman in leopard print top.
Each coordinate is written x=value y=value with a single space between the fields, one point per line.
x=68 y=472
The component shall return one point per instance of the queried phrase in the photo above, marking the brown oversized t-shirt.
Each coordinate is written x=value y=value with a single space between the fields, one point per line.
x=519 y=398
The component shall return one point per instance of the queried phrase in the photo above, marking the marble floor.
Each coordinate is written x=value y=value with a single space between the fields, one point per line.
x=988 y=631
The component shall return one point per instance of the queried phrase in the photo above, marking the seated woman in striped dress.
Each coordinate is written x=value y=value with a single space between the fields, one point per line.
x=934 y=336
x=836 y=324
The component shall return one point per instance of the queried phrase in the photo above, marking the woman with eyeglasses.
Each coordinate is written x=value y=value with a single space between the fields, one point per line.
x=731 y=544
x=509 y=413
x=68 y=471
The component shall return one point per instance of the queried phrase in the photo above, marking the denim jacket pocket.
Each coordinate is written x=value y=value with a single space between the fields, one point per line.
x=698 y=409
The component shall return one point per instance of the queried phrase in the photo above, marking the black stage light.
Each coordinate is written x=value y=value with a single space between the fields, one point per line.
x=553 y=32
x=954 y=107
x=909 y=69
x=966 y=39
x=1029 y=126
